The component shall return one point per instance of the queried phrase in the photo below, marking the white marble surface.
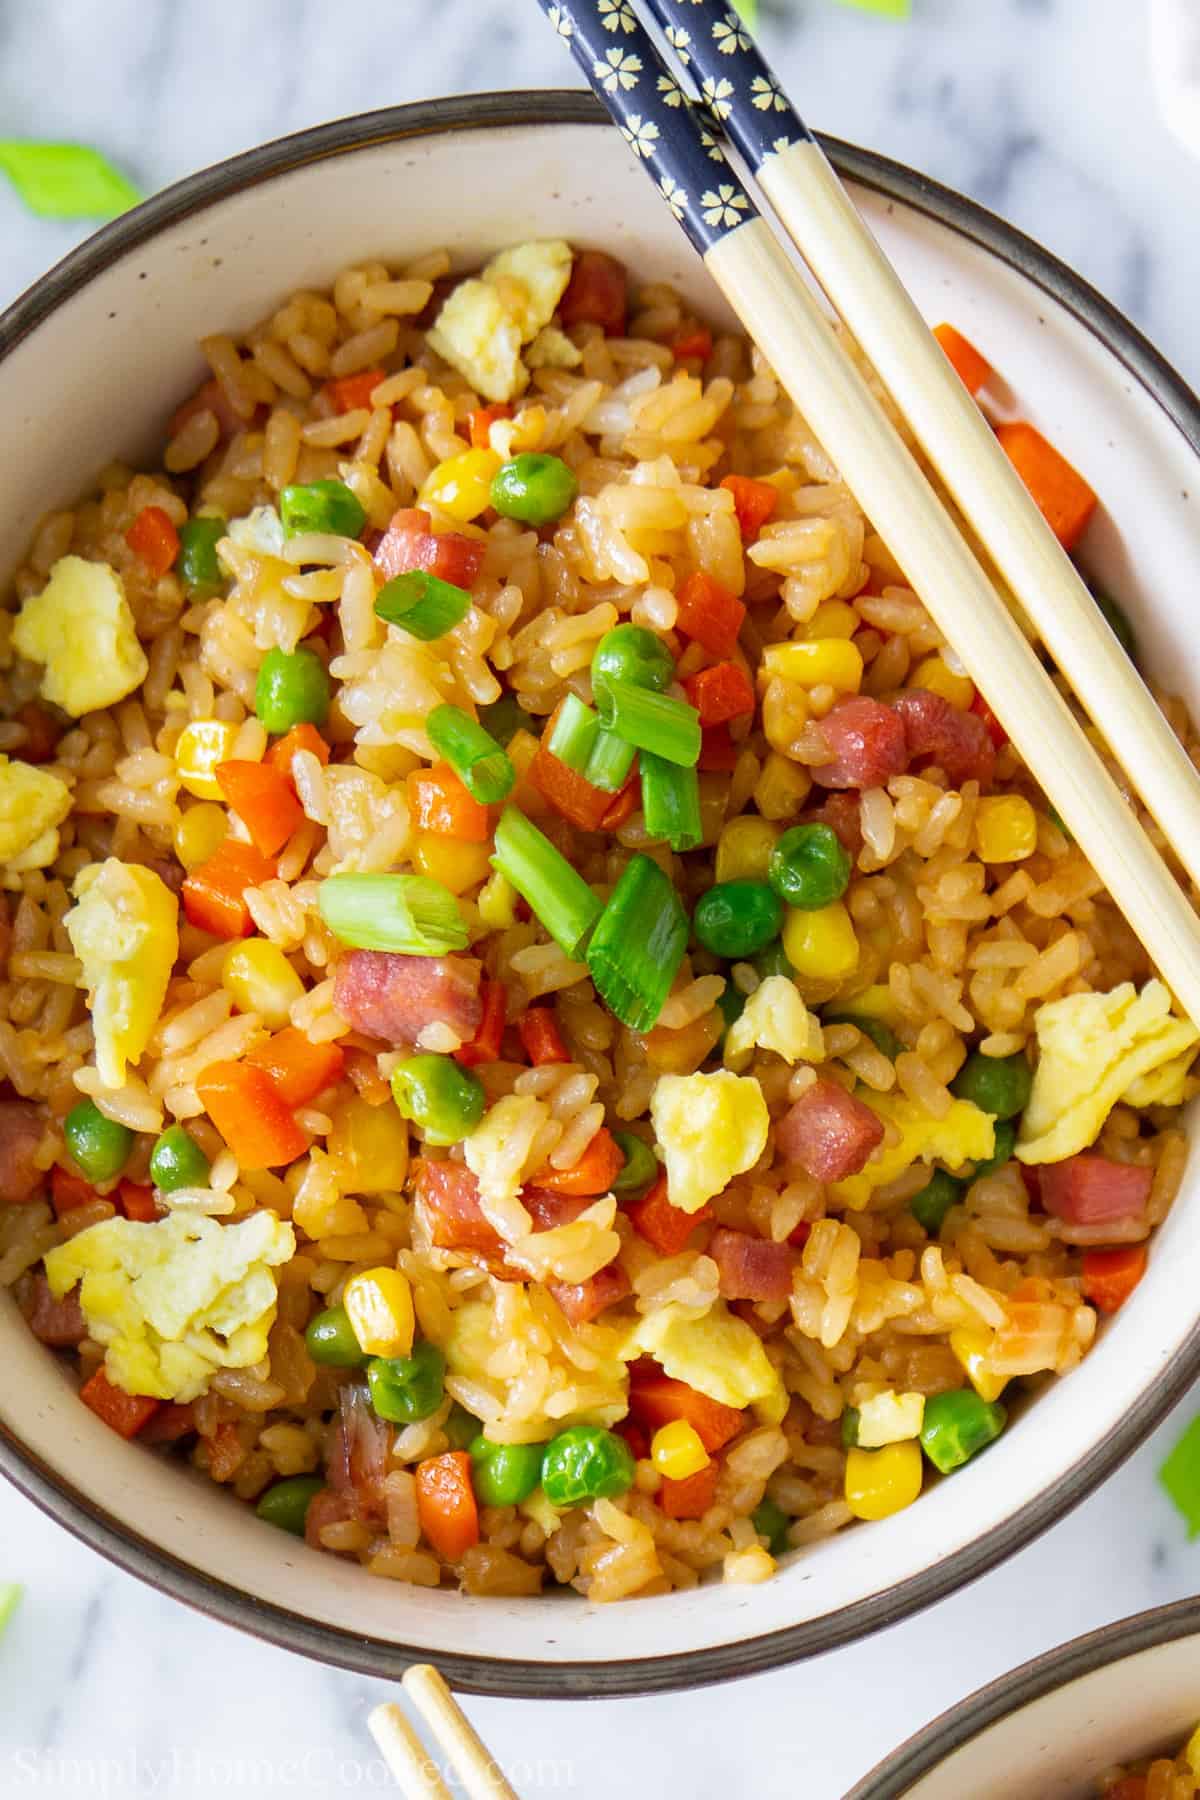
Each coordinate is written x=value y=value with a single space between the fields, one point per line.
x=1039 y=108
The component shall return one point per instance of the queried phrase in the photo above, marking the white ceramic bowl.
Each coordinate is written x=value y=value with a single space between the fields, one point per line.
x=1055 y=1724
x=92 y=361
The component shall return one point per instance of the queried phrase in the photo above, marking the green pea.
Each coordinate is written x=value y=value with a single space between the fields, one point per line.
x=640 y=1168
x=505 y=1474
x=809 y=867
x=406 y=1389
x=633 y=654
x=98 y=1145
x=321 y=506
x=930 y=1206
x=444 y=1099
x=999 y=1085
x=957 y=1426
x=770 y=1521
x=736 y=919
x=881 y=1035
x=1118 y=624
x=286 y=1503
x=198 y=568
x=772 y=961
x=177 y=1161
x=461 y=1427
x=292 y=689
x=850 y=1422
x=533 y=487
x=504 y=718
x=331 y=1340
x=731 y=1004
x=586 y=1463
x=1006 y=1141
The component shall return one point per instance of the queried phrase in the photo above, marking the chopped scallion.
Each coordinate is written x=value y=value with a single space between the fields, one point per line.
x=557 y=893
x=659 y=723
x=474 y=756
x=610 y=761
x=670 y=803
x=410 y=914
x=1180 y=1476
x=66 y=181
x=10 y=1593
x=638 y=944
x=424 y=605
x=504 y=718
x=574 y=733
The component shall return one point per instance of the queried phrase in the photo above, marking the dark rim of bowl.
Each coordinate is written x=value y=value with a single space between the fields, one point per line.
x=568 y=1679
x=936 y=1742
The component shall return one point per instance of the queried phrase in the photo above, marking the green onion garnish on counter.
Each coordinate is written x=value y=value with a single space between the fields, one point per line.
x=423 y=604
x=638 y=944
x=10 y=1593
x=670 y=803
x=659 y=723
x=475 y=757
x=1180 y=1476
x=557 y=894
x=410 y=914
x=66 y=181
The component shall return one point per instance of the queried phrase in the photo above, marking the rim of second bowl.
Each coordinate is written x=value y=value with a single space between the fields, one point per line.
x=116 y=1539
x=934 y=1743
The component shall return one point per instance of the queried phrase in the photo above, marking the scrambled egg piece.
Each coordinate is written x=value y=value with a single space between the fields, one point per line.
x=501 y=1152
x=175 y=1300
x=709 y=1128
x=124 y=928
x=1096 y=1049
x=33 y=804
x=889 y=1418
x=552 y=349
x=775 y=1018
x=718 y=1354
x=485 y=321
x=260 y=530
x=81 y=627
x=965 y=1135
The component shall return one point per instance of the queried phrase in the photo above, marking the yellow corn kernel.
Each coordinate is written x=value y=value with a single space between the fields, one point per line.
x=461 y=486
x=370 y=1146
x=830 y=662
x=497 y=902
x=200 y=833
x=457 y=864
x=1005 y=829
x=875 y=1002
x=785 y=713
x=822 y=944
x=744 y=849
x=782 y=788
x=676 y=1451
x=833 y=619
x=1191 y=1752
x=380 y=1308
x=259 y=979
x=972 y=1349
x=201 y=747
x=882 y=1482
x=936 y=675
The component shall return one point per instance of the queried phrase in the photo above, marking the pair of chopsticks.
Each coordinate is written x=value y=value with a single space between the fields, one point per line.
x=467 y=1756
x=678 y=140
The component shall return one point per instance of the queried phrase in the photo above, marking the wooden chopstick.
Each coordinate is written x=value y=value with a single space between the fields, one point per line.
x=779 y=312
x=478 y=1775
x=820 y=218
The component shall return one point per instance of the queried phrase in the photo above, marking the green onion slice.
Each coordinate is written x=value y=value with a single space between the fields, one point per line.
x=665 y=726
x=504 y=718
x=574 y=734
x=557 y=893
x=670 y=803
x=424 y=604
x=10 y=1593
x=609 y=764
x=475 y=757
x=638 y=944
x=407 y=913
x=66 y=181
x=1180 y=1476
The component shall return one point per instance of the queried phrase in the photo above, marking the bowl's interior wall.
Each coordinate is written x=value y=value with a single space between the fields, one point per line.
x=119 y=355
x=1056 y=1747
